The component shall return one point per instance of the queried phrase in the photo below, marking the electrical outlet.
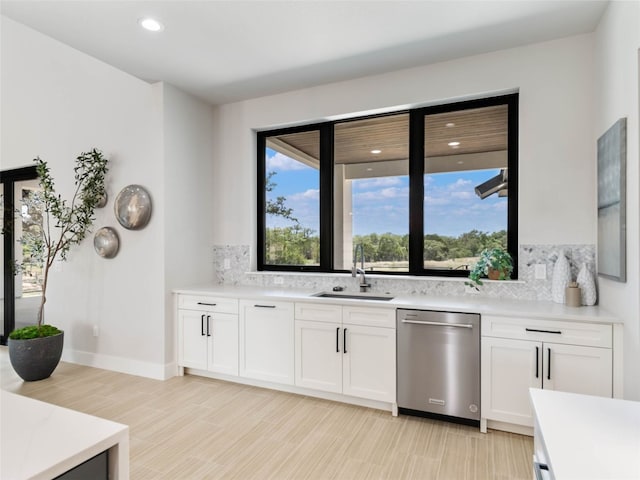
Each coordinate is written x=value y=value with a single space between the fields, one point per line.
x=96 y=331
x=227 y=263
x=278 y=281
x=540 y=271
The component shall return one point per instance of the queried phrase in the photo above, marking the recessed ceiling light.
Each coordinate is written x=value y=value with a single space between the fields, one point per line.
x=369 y=169
x=450 y=124
x=460 y=162
x=376 y=151
x=151 y=24
x=454 y=144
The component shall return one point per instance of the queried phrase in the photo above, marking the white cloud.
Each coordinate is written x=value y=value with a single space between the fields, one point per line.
x=461 y=183
x=382 y=195
x=363 y=184
x=436 y=200
x=282 y=162
x=311 y=194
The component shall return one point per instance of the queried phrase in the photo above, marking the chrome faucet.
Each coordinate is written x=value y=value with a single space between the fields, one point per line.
x=355 y=270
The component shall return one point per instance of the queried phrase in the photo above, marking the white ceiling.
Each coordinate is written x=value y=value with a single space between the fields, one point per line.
x=226 y=51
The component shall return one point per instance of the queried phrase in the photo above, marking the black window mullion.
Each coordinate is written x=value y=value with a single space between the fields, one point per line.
x=326 y=197
x=262 y=193
x=416 y=191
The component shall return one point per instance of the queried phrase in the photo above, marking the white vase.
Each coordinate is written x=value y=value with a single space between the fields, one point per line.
x=561 y=278
x=587 y=285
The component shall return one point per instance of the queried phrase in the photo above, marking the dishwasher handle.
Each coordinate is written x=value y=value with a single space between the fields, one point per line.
x=439 y=324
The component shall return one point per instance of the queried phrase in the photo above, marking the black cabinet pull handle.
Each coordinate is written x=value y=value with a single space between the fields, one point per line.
x=344 y=340
x=208 y=322
x=265 y=306
x=207 y=304
x=537 y=361
x=338 y=340
x=556 y=332
x=202 y=325
x=549 y=364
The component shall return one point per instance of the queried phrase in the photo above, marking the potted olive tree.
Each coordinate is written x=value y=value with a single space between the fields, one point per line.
x=494 y=263
x=35 y=350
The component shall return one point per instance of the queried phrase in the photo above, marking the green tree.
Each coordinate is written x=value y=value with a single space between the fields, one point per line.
x=435 y=250
x=277 y=206
x=390 y=248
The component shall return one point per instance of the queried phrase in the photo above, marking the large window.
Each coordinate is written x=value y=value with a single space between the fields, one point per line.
x=423 y=191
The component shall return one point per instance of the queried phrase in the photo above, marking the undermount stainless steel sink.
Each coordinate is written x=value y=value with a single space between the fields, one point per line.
x=353 y=296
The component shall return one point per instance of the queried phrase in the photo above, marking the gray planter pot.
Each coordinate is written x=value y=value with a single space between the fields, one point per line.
x=36 y=358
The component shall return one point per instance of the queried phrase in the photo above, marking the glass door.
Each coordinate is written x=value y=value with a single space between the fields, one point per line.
x=21 y=263
x=28 y=257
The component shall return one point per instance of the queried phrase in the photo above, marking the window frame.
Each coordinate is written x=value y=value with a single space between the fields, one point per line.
x=416 y=187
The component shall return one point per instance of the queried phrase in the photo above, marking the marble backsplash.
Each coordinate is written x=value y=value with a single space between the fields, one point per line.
x=233 y=267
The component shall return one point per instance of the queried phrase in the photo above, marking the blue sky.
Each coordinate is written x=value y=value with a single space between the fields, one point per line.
x=381 y=204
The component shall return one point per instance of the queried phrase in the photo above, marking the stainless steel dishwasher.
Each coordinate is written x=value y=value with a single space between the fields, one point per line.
x=439 y=364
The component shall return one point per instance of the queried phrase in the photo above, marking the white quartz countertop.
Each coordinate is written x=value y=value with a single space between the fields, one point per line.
x=586 y=437
x=470 y=304
x=42 y=441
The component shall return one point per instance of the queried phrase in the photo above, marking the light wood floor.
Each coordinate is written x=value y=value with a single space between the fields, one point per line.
x=197 y=428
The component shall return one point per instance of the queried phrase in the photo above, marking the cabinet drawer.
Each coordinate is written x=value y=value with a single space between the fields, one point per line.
x=369 y=316
x=208 y=304
x=555 y=331
x=319 y=312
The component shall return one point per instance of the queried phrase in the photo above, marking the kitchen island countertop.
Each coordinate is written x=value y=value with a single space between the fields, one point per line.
x=586 y=437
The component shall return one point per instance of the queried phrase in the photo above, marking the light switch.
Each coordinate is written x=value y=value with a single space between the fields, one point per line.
x=540 y=271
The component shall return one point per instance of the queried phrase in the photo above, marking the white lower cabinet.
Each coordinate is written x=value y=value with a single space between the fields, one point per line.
x=208 y=334
x=193 y=344
x=223 y=344
x=352 y=359
x=538 y=358
x=267 y=341
x=369 y=363
x=319 y=356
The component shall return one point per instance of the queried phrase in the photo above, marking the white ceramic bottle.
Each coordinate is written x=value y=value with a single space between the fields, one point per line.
x=587 y=285
x=561 y=278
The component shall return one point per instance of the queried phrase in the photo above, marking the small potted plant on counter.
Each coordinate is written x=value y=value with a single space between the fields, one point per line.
x=494 y=263
x=35 y=350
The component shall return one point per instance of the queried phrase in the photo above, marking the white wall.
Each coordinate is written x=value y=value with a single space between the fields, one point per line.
x=188 y=197
x=557 y=181
x=617 y=61
x=58 y=102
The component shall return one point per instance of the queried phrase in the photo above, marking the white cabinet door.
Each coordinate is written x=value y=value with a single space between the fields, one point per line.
x=319 y=355
x=267 y=341
x=369 y=362
x=578 y=369
x=508 y=369
x=223 y=343
x=192 y=339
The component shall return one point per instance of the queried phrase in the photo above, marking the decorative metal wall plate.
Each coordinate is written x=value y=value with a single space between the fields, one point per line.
x=103 y=200
x=106 y=242
x=132 y=207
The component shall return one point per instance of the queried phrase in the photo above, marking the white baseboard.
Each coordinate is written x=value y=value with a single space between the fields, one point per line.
x=510 y=427
x=120 y=364
x=336 y=397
